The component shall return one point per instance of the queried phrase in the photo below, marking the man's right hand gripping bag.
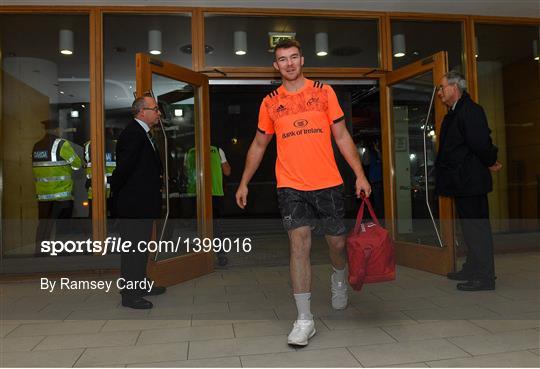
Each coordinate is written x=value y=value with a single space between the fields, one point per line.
x=370 y=250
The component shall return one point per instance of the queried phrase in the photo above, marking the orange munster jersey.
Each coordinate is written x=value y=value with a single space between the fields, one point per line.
x=301 y=121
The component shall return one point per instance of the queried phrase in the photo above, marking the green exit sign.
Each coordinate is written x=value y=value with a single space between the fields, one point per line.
x=276 y=37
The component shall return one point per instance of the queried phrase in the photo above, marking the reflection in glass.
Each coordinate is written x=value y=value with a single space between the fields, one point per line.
x=45 y=123
x=410 y=104
x=509 y=92
x=178 y=103
x=249 y=40
x=409 y=42
x=148 y=33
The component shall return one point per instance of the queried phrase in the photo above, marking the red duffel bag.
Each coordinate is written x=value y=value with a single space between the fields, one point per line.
x=370 y=250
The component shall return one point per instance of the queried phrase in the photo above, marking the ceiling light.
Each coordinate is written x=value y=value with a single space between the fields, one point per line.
x=476 y=47
x=154 y=42
x=536 y=55
x=240 y=42
x=65 y=41
x=399 y=45
x=321 y=43
x=178 y=112
x=74 y=114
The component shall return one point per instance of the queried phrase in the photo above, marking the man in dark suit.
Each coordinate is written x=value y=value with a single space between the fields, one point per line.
x=464 y=161
x=136 y=186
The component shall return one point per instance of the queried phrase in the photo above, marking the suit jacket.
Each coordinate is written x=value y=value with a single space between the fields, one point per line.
x=137 y=180
x=465 y=151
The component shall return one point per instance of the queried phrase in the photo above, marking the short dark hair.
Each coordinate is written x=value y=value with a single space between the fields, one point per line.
x=287 y=44
x=139 y=104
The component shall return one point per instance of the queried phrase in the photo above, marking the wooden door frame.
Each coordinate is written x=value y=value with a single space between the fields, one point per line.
x=185 y=267
x=439 y=260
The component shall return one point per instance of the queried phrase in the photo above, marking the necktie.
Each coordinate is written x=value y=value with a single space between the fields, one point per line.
x=151 y=140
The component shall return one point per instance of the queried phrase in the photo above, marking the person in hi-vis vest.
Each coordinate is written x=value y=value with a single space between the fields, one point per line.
x=110 y=166
x=219 y=167
x=53 y=160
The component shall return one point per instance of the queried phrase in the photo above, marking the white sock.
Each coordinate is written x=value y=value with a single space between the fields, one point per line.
x=303 y=305
x=339 y=275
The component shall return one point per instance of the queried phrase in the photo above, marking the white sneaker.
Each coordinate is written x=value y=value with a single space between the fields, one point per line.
x=302 y=331
x=340 y=295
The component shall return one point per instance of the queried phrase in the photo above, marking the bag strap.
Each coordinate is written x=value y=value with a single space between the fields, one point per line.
x=360 y=215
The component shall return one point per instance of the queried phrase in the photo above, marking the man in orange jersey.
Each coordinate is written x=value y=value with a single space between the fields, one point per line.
x=304 y=114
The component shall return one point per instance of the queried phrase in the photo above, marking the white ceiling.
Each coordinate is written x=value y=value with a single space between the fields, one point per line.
x=517 y=8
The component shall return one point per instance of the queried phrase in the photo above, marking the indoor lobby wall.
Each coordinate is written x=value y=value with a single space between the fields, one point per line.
x=21 y=129
x=522 y=114
x=491 y=91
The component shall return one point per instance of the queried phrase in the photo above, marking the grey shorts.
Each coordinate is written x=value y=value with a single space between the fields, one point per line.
x=322 y=210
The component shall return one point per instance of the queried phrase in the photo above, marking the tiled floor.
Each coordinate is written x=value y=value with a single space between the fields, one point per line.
x=241 y=316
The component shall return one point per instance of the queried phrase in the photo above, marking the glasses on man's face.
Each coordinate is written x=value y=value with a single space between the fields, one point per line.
x=155 y=109
x=442 y=87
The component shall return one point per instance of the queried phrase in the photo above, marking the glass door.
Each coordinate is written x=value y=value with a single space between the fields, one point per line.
x=185 y=230
x=421 y=222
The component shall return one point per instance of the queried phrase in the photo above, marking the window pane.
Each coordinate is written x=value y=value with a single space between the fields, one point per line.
x=45 y=123
x=179 y=105
x=410 y=42
x=509 y=91
x=414 y=155
x=245 y=41
x=124 y=36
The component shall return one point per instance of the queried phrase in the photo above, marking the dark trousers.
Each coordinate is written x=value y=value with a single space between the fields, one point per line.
x=377 y=199
x=217 y=205
x=111 y=217
x=473 y=212
x=48 y=213
x=133 y=263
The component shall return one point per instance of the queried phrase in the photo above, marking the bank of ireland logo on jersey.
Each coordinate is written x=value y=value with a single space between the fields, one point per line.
x=300 y=123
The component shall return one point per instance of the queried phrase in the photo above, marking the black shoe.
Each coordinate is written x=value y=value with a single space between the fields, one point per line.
x=158 y=290
x=476 y=285
x=136 y=303
x=459 y=276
